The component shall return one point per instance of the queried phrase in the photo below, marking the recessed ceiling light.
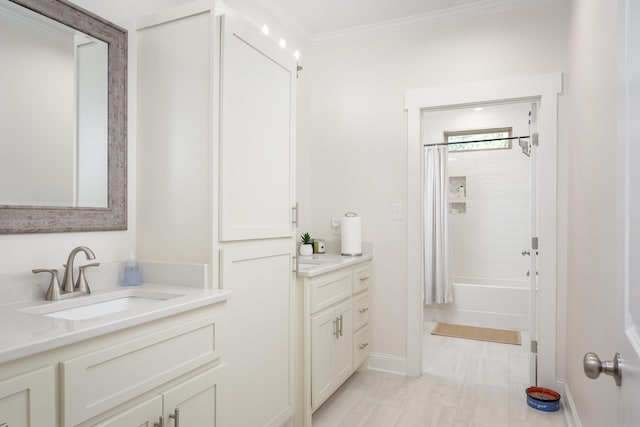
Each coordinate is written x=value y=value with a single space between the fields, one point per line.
x=282 y=43
x=296 y=55
x=265 y=29
x=478 y=109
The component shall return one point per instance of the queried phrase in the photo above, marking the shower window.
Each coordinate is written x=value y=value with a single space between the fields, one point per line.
x=457 y=139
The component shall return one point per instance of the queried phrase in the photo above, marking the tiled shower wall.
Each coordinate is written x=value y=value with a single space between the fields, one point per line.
x=487 y=240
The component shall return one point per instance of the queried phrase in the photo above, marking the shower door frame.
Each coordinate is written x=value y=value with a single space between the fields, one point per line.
x=544 y=89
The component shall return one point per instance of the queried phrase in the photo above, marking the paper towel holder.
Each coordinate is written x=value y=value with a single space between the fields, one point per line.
x=351 y=248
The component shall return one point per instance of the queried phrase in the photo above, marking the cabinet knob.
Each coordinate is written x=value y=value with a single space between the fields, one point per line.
x=363 y=346
x=160 y=422
x=363 y=310
x=176 y=417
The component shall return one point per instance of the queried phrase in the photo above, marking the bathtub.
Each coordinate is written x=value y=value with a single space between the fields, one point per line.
x=490 y=303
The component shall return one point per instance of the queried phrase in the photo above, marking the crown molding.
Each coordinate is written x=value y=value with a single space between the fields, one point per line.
x=436 y=17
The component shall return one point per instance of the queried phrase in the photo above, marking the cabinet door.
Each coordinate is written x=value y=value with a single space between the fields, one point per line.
x=257 y=138
x=145 y=414
x=261 y=349
x=324 y=329
x=343 y=348
x=195 y=401
x=27 y=400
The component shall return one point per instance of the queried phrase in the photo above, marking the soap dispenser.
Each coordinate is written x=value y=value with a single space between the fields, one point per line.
x=131 y=274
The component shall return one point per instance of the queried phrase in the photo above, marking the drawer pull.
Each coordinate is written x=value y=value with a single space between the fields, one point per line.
x=340 y=320
x=160 y=422
x=363 y=346
x=335 y=328
x=362 y=279
x=363 y=310
x=176 y=416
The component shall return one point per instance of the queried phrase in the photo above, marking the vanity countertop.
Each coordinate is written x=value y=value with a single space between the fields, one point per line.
x=311 y=266
x=26 y=329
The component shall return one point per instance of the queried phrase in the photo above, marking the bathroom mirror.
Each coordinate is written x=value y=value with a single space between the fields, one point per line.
x=62 y=119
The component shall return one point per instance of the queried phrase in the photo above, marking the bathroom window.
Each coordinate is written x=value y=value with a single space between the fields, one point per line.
x=479 y=135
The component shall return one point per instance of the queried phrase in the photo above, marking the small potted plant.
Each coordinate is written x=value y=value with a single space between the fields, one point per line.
x=306 y=248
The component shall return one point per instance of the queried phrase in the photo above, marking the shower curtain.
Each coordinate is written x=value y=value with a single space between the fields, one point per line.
x=437 y=288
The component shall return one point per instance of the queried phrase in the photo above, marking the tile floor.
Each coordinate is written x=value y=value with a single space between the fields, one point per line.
x=465 y=384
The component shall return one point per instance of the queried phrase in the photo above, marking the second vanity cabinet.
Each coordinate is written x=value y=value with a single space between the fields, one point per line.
x=336 y=317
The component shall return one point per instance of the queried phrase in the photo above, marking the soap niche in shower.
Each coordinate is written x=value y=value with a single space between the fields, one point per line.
x=457 y=194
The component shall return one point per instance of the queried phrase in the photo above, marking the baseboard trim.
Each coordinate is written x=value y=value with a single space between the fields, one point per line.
x=570 y=413
x=390 y=363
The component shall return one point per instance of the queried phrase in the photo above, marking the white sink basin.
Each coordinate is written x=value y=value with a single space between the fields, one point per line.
x=92 y=306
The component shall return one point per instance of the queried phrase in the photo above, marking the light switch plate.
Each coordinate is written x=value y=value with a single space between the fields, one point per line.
x=396 y=212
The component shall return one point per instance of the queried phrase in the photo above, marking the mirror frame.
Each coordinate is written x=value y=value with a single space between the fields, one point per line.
x=47 y=219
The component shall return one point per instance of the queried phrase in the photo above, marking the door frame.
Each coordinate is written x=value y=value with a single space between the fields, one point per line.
x=545 y=88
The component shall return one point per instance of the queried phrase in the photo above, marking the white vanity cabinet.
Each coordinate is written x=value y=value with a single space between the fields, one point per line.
x=336 y=342
x=168 y=367
x=27 y=399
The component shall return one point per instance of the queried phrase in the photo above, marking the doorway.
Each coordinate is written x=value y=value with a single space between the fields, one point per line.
x=544 y=88
x=490 y=221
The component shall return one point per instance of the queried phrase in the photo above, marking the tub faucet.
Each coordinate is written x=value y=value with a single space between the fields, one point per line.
x=67 y=280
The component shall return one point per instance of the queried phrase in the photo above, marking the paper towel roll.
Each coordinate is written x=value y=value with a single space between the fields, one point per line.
x=351 y=234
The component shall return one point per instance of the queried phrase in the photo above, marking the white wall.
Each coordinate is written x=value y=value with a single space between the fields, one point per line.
x=593 y=249
x=358 y=155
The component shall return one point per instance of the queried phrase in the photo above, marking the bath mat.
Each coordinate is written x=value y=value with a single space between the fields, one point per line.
x=475 y=333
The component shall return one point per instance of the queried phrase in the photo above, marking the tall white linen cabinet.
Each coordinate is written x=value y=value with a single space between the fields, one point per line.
x=216 y=186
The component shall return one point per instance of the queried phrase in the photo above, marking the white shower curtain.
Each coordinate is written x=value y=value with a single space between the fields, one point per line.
x=437 y=288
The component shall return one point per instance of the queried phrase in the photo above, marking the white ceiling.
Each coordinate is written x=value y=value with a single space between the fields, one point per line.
x=316 y=19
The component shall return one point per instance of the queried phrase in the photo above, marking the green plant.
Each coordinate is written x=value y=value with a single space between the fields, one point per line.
x=306 y=239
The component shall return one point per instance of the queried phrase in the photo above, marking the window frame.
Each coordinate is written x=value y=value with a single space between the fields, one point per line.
x=448 y=134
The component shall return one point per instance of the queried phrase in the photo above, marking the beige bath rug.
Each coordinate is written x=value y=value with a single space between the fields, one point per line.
x=476 y=333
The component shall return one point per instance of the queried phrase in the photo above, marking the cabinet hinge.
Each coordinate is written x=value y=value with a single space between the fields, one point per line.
x=534 y=346
x=534 y=243
x=294 y=212
x=535 y=139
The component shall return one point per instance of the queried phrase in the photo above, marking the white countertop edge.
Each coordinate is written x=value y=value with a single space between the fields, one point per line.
x=340 y=262
x=81 y=330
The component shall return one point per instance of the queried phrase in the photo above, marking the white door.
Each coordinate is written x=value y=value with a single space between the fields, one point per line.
x=257 y=134
x=26 y=400
x=194 y=402
x=260 y=316
x=343 y=345
x=324 y=329
x=629 y=281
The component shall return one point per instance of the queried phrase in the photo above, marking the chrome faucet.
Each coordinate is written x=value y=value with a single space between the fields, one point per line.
x=67 y=280
x=69 y=288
